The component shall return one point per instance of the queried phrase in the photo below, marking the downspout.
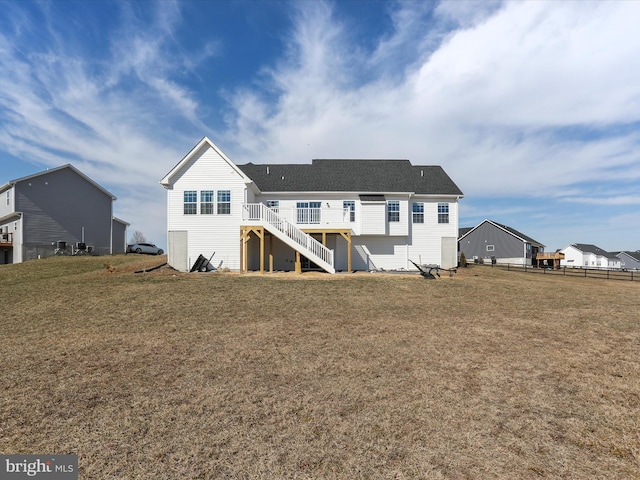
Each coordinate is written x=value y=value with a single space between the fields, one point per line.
x=110 y=228
x=410 y=220
x=457 y=230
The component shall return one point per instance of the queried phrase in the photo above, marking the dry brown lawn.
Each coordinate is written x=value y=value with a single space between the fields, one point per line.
x=163 y=375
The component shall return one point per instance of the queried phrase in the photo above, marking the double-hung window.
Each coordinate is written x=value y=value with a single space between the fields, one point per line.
x=443 y=213
x=190 y=202
x=206 y=202
x=418 y=212
x=224 y=202
x=393 y=211
x=350 y=205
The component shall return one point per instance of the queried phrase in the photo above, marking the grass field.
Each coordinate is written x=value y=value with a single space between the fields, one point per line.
x=164 y=375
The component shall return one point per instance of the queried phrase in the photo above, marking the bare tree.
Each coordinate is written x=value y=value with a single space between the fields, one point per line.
x=138 y=237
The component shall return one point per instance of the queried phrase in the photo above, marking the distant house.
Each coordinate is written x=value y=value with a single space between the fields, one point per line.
x=119 y=236
x=58 y=210
x=330 y=214
x=629 y=260
x=585 y=255
x=491 y=241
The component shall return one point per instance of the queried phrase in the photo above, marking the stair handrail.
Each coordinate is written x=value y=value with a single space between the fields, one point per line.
x=259 y=211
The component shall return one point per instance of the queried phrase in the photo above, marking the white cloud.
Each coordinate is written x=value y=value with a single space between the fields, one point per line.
x=514 y=99
x=115 y=117
x=486 y=104
x=608 y=200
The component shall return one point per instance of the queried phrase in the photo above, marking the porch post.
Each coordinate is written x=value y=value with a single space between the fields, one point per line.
x=349 y=267
x=270 y=253
x=347 y=236
x=261 y=234
x=242 y=234
x=298 y=263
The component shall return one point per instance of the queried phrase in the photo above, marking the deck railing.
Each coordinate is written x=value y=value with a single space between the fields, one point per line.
x=307 y=216
x=6 y=237
x=260 y=212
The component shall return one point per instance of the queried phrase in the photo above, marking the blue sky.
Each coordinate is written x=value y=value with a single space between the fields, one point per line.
x=533 y=108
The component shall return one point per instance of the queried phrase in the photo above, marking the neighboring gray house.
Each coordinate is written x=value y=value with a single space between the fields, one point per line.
x=629 y=260
x=119 y=236
x=489 y=241
x=60 y=207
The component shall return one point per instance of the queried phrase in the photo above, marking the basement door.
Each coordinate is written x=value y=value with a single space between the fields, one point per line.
x=449 y=252
x=177 y=256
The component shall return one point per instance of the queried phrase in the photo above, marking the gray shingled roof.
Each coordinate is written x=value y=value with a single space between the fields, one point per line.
x=463 y=231
x=635 y=255
x=520 y=234
x=352 y=176
x=589 y=248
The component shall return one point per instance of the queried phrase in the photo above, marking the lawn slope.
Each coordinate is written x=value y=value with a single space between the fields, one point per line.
x=166 y=375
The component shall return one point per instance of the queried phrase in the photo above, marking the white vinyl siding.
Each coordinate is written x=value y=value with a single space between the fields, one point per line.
x=425 y=241
x=208 y=168
x=401 y=227
x=7 y=206
x=374 y=218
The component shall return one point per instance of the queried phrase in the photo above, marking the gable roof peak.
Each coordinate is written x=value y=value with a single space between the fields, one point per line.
x=51 y=170
x=205 y=142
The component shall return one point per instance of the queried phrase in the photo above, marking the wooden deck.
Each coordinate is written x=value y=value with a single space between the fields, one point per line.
x=6 y=240
x=549 y=259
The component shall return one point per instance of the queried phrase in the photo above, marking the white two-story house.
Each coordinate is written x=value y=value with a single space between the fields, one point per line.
x=336 y=215
x=585 y=255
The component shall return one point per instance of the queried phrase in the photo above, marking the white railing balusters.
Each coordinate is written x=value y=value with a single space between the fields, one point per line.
x=260 y=212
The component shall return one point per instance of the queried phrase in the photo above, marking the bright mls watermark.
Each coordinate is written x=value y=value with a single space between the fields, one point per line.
x=49 y=467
